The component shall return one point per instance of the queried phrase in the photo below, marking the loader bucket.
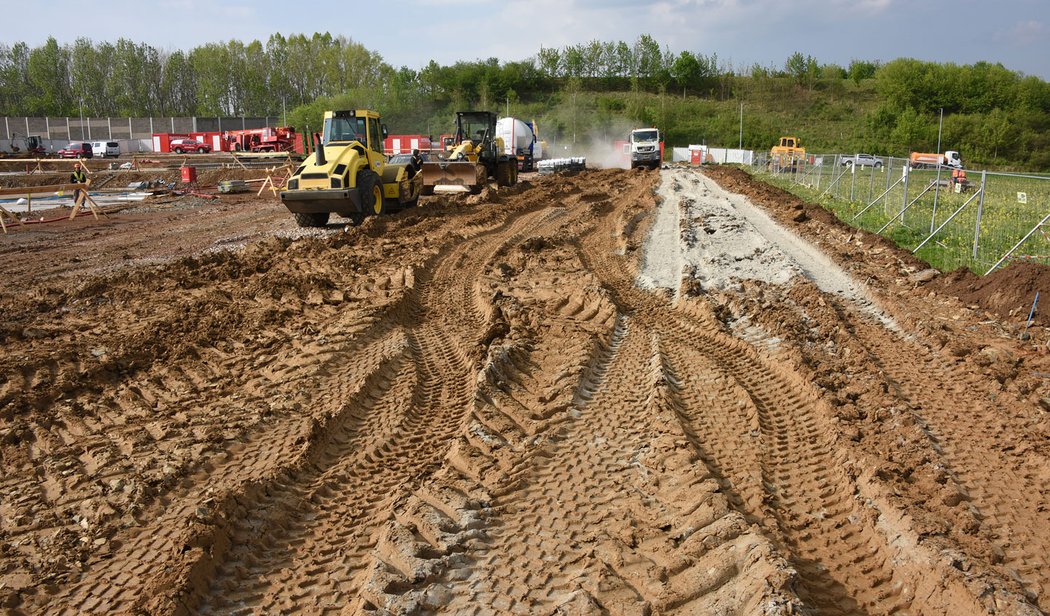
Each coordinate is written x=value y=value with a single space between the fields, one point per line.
x=453 y=176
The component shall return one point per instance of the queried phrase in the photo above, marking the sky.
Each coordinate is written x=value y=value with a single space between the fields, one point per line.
x=410 y=33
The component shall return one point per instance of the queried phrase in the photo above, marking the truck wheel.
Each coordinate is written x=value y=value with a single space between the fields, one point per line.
x=877 y=164
x=311 y=220
x=178 y=150
x=371 y=190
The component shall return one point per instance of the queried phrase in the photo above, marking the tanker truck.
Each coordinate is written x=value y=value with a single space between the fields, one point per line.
x=921 y=160
x=519 y=141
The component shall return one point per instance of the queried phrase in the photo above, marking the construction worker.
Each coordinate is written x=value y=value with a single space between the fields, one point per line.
x=416 y=164
x=77 y=177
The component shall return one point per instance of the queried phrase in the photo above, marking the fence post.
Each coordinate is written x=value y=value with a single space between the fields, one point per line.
x=852 y=180
x=904 y=204
x=820 y=172
x=936 y=193
x=980 y=212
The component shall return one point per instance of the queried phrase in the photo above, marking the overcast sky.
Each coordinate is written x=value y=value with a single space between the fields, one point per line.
x=412 y=32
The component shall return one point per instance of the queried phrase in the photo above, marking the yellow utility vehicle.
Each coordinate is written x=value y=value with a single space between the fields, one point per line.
x=787 y=154
x=476 y=155
x=348 y=174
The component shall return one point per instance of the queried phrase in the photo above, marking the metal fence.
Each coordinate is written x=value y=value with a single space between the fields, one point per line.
x=981 y=223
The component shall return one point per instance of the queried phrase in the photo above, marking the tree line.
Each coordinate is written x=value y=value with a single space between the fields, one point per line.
x=992 y=114
x=138 y=80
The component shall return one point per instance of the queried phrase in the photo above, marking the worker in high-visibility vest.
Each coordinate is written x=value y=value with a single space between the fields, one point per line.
x=77 y=177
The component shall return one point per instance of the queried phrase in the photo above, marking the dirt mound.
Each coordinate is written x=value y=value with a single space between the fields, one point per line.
x=1008 y=291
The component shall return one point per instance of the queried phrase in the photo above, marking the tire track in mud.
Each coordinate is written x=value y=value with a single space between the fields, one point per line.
x=120 y=583
x=324 y=546
x=845 y=565
x=617 y=513
x=807 y=503
x=627 y=517
x=425 y=550
x=133 y=443
x=1008 y=494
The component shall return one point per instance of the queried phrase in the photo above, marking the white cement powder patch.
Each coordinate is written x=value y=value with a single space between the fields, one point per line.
x=722 y=238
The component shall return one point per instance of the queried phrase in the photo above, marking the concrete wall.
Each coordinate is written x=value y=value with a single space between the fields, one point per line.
x=95 y=129
x=714 y=155
x=127 y=146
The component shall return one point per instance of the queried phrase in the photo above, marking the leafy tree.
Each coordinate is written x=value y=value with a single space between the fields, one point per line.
x=861 y=69
x=48 y=75
x=687 y=71
x=549 y=61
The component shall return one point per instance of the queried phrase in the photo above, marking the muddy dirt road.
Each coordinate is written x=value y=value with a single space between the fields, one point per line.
x=609 y=393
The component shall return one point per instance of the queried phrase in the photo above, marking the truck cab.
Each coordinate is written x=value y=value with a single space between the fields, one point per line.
x=644 y=144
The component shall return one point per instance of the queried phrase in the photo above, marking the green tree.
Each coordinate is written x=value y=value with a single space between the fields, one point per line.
x=860 y=70
x=687 y=71
x=49 y=85
x=550 y=62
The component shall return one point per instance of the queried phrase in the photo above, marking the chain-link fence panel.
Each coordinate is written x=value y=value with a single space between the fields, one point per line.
x=951 y=218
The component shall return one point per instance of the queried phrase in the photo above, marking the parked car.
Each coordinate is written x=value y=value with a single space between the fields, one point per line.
x=77 y=149
x=105 y=149
x=180 y=146
x=861 y=160
x=404 y=159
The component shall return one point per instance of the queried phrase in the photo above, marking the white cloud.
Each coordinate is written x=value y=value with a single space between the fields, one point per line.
x=1025 y=34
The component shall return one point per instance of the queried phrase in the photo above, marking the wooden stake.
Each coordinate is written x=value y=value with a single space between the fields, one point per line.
x=3 y=211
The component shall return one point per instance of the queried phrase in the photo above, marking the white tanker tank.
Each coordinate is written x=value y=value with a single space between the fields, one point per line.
x=519 y=141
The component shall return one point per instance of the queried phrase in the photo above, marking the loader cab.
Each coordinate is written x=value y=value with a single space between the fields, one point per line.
x=478 y=127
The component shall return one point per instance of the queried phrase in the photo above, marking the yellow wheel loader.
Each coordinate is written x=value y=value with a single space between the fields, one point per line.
x=477 y=154
x=348 y=174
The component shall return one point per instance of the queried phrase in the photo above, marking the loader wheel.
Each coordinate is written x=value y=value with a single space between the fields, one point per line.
x=504 y=172
x=371 y=188
x=311 y=220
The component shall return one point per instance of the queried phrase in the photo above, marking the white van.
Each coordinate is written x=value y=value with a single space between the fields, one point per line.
x=105 y=149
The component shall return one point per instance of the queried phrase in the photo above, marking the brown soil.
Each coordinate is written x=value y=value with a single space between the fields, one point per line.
x=470 y=407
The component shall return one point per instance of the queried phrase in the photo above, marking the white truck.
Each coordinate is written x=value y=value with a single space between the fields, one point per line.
x=644 y=147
